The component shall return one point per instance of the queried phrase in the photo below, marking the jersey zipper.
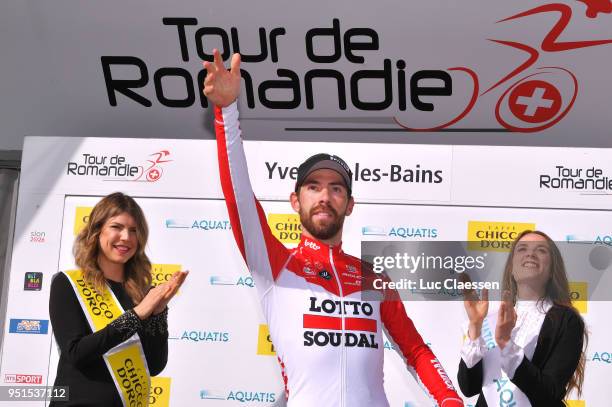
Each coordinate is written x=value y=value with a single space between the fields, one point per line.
x=342 y=348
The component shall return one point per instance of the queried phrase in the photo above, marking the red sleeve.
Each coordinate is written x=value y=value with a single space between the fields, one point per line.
x=418 y=355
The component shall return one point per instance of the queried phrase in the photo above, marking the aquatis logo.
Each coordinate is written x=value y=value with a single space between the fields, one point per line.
x=239 y=281
x=406 y=232
x=202 y=224
x=242 y=396
x=118 y=168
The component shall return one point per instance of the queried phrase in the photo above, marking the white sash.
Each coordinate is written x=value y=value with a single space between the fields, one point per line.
x=497 y=389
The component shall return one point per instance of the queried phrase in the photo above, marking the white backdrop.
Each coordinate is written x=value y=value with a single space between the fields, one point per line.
x=219 y=352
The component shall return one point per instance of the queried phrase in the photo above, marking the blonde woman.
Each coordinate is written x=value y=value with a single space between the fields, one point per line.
x=109 y=324
x=530 y=351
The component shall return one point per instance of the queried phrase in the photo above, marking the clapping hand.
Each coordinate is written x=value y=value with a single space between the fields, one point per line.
x=177 y=280
x=506 y=320
x=158 y=297
x=476 y=309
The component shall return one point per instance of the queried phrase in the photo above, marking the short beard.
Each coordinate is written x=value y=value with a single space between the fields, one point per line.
x=322 y=232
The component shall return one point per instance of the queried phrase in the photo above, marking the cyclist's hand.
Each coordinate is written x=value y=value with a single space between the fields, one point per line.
x=221 y=86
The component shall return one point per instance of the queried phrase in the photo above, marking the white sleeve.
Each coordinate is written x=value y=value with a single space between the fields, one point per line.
x=473 y=351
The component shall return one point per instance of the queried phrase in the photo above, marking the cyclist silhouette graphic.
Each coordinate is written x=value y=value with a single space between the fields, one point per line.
x=537 y=104
x=154 y=171
x=595 y=7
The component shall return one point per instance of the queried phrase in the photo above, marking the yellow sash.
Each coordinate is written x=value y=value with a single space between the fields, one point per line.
x=126 y=362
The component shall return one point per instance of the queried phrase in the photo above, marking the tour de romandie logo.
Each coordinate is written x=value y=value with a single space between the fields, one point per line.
x=115 y=167
x=533 y=97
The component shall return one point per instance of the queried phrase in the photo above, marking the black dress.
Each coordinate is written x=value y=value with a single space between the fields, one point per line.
x=544 y=378
x=81 y=366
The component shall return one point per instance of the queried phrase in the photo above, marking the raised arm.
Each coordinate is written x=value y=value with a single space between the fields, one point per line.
x=264 y=254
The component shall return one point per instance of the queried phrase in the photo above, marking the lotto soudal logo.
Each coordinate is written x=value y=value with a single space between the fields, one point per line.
x=29 y=326
x=118 y=168
x=335 y=323
x=587 y=181
x=23 y=379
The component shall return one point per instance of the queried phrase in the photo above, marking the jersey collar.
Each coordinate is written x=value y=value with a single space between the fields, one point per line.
x=316 y=247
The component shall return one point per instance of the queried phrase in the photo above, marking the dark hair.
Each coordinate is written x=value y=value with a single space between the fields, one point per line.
x=557 y=290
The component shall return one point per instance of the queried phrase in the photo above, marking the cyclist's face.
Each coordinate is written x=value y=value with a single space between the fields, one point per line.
x=322 y=203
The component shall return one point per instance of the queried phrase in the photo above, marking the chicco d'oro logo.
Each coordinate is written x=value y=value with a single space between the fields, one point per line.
x=117 y=168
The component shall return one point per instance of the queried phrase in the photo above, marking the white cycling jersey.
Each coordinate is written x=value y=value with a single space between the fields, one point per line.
x=327 y=338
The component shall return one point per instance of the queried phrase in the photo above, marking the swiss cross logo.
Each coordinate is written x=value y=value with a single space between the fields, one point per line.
x=153 y=175
x=535 y=101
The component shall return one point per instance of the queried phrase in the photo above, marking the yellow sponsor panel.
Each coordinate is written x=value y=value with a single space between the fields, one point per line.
x=575 y=403
x=264 y=343
x=81 y=218
x=579 y=291
x=130 y=374
x=494 y=236
x=163 y=272
x=286 y=227
x=159 y=394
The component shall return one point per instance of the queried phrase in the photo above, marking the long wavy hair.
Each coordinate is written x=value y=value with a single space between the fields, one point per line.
x=558 y=291
x=137 y=271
